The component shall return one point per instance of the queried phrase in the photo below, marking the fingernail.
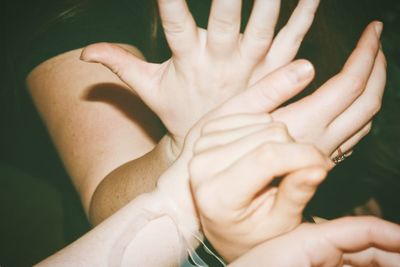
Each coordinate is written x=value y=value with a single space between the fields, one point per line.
x=305 y=70
x=378 y=28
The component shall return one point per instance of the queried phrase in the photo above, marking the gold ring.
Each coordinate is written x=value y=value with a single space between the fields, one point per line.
x=340 y=157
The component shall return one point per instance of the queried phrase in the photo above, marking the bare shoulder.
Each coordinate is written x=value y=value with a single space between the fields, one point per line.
x=96 y=121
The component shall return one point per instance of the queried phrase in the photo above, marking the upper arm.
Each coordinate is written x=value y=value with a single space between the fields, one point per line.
x=94 y=120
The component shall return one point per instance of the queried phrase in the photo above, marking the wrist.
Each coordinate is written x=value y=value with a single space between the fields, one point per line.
x=184 y=218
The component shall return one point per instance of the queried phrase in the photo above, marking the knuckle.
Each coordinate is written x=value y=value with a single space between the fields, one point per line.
x=173 y=27
x=278 y=132
x=176 y=25
x=372 y=224
x=262 y=33
x=356 y=84
x=266 y=152
x=222 y=24
x=272 y=95
x=313 y=153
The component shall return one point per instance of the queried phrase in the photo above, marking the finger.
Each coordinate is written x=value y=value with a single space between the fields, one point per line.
x=253 y=172
x=296 y=190
x=134 y=71
x=179 y=26
x=364 y=108
x=224 y=27
x=359 y=233
x=217 y=139
x=349 y=144
x=260 y=29
x=235 y=121
x=227 y=154
x=287 y=43
x=341 y=91
x=272 y=91
x=372 y=257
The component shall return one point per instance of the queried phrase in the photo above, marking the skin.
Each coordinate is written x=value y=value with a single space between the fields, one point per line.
x=166 y=216
x=235 y=162
x=109 y=168
x=341 y=242
x=152 y=223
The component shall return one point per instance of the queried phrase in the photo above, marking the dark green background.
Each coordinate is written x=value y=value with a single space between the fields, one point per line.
x=39 y=210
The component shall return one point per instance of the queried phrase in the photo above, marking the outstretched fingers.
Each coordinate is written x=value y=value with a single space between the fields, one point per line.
x=343 y=89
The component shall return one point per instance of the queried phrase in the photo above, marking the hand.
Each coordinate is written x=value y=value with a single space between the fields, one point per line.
x=236 y=161
x=173 y=185
x=207 y=67
x=343 y=242
x=339 y=113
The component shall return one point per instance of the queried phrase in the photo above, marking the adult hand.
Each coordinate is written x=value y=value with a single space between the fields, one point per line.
x=362 y=241
x=236 y=161
x=207 y=67
x=174 y=186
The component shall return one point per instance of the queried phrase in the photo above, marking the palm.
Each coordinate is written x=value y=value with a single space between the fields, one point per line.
x=208 y=67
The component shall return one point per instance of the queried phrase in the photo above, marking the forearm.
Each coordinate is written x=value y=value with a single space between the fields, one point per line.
x=130 y=180
x=142 y=233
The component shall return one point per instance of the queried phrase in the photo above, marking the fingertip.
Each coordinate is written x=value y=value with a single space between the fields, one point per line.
x=92 y=52
x=306 y=68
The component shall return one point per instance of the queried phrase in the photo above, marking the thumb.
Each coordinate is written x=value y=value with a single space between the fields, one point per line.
x=273 y=90
x=296 y=190
x=132 y=70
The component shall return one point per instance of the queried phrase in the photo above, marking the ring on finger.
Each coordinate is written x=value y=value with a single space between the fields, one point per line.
x=339 y=157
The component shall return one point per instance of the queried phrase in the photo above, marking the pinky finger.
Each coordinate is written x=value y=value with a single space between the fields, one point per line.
x=348 y=146
x=296 y=190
